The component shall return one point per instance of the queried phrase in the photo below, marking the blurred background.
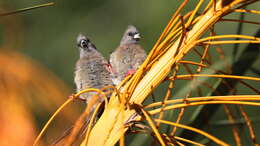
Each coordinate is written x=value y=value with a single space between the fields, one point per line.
x=38 y=53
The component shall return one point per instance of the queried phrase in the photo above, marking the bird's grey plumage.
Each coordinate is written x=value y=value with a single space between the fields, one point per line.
x=129 y=55
x=91 y=71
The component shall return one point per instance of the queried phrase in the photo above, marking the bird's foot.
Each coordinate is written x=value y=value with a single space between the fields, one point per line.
x=108 y=67
x=75 y=97
x=130 y=72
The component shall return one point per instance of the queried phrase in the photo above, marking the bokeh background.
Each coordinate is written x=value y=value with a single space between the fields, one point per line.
x=39 y=52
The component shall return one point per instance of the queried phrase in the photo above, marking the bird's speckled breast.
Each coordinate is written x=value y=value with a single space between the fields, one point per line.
x=91 y=73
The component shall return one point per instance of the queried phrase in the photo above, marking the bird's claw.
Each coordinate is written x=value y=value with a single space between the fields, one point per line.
x=76 y=97
x=130 y=72
x=108 y=67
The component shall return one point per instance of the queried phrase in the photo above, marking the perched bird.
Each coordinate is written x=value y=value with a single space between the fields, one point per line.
x=91 y=70
x=128 y=56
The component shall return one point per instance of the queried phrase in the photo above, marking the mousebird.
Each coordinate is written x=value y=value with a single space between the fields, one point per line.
x=91 y=71
x=128 y=56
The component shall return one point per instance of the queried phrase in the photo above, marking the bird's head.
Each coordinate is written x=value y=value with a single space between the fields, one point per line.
x=130 y=36
x=85 y=44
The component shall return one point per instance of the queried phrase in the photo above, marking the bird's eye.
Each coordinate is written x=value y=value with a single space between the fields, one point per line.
x=130 y=34
x=84 y=43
